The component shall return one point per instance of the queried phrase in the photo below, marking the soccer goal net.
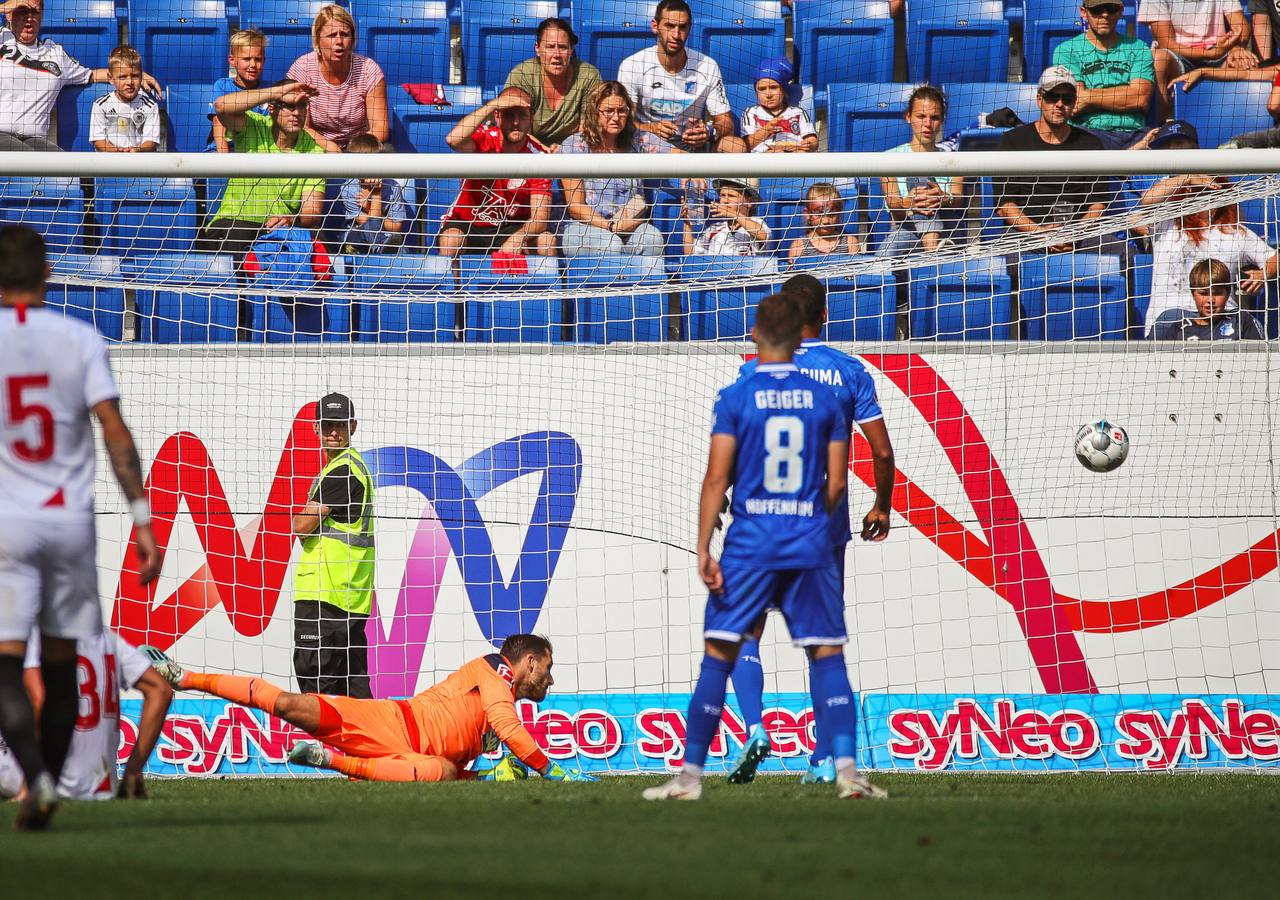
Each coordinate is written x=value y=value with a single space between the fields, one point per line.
x=536 y=429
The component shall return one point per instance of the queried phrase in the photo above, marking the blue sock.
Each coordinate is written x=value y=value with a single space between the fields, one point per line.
x=705 y=708
x=821 y=730
x=748 y=683
x=832 y=693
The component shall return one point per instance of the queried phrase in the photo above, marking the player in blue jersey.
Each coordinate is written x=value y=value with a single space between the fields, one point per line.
x=782 y=440
x=856 y=392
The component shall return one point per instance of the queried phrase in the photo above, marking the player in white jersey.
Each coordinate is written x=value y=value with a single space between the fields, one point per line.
x=53 y=374
x=105 y=666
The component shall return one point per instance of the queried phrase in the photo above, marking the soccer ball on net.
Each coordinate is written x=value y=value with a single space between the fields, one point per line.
x=1101 y=446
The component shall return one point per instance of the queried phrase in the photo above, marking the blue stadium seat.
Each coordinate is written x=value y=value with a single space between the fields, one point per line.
x=1141 y=270
x=436 y=195
x=417 y=128
x=1048 y=23
x=611 y=30
x=1073 y=297
x=969 y=301
x=187 y=298
x=146 y=216
x=1222 y=109
x=603 y=319
x=86 y=29
x=187 y=108
x=724 y=313
x=738 y=34
x=509 y=301
x=52 y=206
x=409 y=39
x=958 y=41
x=287 y=25
x=75 y=109
x=180 y=40
x=844 y=40
x=387 y=289
x=967 y=102
x=859 y=307
x=102 y=306
x=867 y=117
x=494 y=41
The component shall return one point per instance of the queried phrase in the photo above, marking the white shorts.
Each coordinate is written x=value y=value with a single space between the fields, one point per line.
x=48 y=579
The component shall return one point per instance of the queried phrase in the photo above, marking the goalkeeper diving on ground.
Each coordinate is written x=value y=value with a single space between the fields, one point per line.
x=432 y=736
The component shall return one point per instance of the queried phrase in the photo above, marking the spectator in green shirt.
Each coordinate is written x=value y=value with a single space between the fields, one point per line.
x=1115 y=76
x=557 y=81
x=253 y=206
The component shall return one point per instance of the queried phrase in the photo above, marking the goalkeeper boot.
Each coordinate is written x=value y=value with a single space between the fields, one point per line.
x=754 y=752
x=169 y=670
x=309 y=753
x=821 y=772
x=852 y=785
x=682 y=787
x=38 y=805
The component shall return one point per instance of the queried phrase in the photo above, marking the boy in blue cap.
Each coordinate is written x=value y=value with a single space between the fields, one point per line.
x=774 y=125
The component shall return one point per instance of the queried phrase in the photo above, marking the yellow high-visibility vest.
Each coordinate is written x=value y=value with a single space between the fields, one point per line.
x=336 y=565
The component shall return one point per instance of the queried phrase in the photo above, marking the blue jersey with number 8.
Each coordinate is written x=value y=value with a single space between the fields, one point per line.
x=783 y=422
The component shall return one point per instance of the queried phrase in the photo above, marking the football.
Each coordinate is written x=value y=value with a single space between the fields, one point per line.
x=1101 y=446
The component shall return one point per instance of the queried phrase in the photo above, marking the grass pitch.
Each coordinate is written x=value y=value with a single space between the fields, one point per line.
x=938 y=836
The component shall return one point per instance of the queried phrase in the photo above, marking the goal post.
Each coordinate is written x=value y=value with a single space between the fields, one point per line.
x=536 y=428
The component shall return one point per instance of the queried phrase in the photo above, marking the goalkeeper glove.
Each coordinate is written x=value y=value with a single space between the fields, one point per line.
x=553 y=772
x=508 y=769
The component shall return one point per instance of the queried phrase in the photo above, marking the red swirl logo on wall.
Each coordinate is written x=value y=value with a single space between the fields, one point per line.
x=1003 y=556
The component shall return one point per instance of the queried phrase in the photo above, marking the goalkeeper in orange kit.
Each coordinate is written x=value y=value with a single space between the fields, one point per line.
x=433 y=736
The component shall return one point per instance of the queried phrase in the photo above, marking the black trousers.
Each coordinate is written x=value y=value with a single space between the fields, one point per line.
x=330 y=651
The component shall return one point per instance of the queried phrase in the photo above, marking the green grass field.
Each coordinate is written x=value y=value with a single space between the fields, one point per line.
x=940 y=836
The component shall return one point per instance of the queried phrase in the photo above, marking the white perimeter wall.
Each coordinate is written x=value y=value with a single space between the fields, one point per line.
x=624 y=606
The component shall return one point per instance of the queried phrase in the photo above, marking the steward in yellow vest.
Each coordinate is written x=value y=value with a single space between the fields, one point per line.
x=333 y=581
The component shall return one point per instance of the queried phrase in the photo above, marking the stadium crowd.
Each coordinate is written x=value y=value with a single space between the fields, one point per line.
x=1105 y=88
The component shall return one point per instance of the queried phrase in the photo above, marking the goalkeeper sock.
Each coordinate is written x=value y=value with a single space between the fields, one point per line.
x=59 y=712
x=18 y=719
x=246 y=691
x=748 y=684
x=407 y=768
x=705 y=709
x=833 y=695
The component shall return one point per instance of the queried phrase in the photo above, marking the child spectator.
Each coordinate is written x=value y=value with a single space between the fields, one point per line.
x=921 y=205
x=773 y=125
x=375 y=211
x=733 y=228
x=1211 y=320
x=1180 y=242
x=247 y=56
x=825 y=229
x=125 y=121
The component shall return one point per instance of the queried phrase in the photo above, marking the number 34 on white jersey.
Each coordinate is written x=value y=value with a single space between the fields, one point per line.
x=104 y=667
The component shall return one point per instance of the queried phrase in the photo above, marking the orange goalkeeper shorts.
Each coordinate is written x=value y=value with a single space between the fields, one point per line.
x=367 y=728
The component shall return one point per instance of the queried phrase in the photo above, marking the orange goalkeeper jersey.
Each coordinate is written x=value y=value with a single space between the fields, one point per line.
x=453 y=716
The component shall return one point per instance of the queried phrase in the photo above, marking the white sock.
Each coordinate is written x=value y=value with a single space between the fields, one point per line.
x=846 y=766
x=690 y=772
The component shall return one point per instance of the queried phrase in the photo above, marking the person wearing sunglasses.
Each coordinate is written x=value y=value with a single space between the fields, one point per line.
x=1031 y=203
x=1115 y=76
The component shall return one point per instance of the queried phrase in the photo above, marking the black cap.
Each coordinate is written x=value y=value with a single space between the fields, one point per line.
x=335 y=408
x=1174 y=128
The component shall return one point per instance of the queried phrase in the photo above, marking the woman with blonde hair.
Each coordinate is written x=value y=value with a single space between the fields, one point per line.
x=609 y=215
x=351 y=91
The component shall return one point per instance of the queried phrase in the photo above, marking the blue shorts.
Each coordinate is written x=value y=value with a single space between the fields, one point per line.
x=811 y=602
